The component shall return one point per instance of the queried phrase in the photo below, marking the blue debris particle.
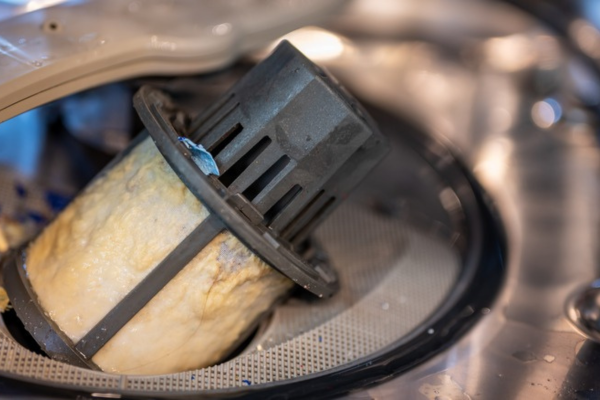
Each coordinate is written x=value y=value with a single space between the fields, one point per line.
x=203 y=159
x=20 y=189
x=57 y=202
x=320 y=338
x=193 y=376
x=36 y=217
x=246 y=382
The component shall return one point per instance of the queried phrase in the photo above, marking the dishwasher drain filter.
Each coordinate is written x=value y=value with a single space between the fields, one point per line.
x=404 y=293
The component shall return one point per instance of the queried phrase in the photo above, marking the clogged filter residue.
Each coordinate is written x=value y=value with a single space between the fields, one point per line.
x=112 y=235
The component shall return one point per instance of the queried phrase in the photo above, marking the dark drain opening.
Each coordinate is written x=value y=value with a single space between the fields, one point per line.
x=243 y=345
x=18 y=332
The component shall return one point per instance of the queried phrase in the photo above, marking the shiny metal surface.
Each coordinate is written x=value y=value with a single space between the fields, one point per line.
x=510 y=97
x=583 y=310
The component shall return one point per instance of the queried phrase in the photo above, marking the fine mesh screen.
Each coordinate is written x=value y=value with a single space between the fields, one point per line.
x=392 y=279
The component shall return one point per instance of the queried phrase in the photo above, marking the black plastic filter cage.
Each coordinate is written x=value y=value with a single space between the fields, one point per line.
x=289 y=144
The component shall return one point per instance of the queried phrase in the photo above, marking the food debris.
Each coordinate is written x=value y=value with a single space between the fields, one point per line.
x=13 y=232
x=3 y=242
x=549 y=358
x=4 y=300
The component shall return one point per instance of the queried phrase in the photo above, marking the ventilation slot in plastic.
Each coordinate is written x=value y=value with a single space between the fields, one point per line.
x=312 y=221
x=202 y=127
x=225 y=139
x=244 y=162
x=290 y=229
x=266 y=178
x=278 y=207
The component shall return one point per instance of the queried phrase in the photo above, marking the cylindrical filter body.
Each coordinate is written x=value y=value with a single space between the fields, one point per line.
x=112 y=236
